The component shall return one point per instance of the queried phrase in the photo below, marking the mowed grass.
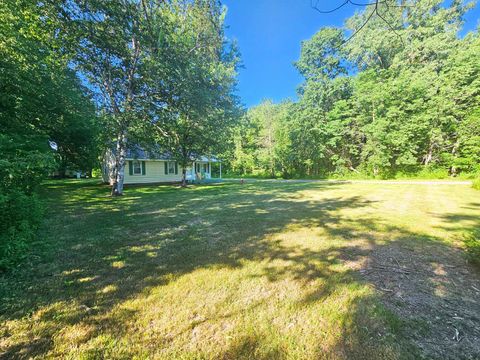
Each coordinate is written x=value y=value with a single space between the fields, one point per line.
x=264 y=270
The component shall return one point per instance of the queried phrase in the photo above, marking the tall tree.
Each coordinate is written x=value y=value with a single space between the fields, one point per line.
x=201 y=107
x=117 y=42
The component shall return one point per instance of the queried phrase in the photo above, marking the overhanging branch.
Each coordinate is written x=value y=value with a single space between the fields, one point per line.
x=375 y=11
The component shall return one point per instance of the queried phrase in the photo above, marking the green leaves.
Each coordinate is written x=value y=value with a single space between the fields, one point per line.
x=399 y=95
x=321 y=56
x=41 y=100
x=162 y=72
x=201 y=105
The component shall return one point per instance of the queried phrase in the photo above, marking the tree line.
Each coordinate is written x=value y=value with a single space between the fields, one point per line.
x=401 y=96
x=80 y=77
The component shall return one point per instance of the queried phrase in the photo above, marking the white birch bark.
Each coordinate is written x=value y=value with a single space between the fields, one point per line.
x=119 y=172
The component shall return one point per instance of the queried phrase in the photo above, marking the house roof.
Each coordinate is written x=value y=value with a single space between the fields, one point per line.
x=138 y=153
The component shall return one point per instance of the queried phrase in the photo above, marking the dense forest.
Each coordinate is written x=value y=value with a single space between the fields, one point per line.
x=400 y=97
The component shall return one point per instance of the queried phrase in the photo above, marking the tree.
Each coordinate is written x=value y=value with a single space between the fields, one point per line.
x=77 y=134
x=201 y=107
x=39 y=94
x=117 y=41
x=264 y=117
x=159 y=72
x=242 y=159
x=322 y=63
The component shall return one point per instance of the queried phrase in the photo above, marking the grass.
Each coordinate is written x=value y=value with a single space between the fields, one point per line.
x=418 y=174
x=262 y=270
x=472 y=246
x=476 y=183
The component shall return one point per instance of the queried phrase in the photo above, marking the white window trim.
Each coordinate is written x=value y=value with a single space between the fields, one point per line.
x=139 y=167
x=172 y=172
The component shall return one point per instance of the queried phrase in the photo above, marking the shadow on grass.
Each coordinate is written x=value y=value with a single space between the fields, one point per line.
x=97 y=251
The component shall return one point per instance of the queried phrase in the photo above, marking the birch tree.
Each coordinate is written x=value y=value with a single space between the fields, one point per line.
x=117 y=41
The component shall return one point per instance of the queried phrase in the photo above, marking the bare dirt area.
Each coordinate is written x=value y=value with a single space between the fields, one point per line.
x=436 y=290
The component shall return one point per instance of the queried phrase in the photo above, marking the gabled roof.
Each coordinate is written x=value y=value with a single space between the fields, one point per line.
x=141 y=154
x=138 y=153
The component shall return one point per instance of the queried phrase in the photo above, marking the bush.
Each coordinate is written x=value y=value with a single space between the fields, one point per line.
x=96 y=173
x=20 y=215
x=472 y=245
x=26 y=160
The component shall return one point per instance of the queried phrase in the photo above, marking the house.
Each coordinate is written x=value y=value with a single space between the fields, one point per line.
x=144 y=167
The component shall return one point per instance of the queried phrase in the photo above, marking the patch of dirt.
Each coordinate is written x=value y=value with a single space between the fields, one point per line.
x=435 y=290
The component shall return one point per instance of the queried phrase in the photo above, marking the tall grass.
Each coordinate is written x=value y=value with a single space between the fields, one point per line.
x=476 y=183
x=472 y=245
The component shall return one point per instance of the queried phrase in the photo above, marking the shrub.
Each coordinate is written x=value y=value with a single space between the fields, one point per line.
x=24 y=163
x=20 y=215
x=96 y=173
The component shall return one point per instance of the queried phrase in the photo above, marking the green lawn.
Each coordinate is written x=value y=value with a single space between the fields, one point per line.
x=264 y=270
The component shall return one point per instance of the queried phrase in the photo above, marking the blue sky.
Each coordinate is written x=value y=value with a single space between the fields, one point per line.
x=269 y=33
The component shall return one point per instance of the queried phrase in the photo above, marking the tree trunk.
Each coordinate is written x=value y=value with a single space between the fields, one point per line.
x=62 y=169
x=427 y=158
x=119 y=169
x=184 y=161
x=453 y=171
x=184 y=177
x=453 y=168
x=121 y=176
x=62 y=172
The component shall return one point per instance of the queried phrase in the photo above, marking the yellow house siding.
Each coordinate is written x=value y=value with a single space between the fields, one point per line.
x=154 y=172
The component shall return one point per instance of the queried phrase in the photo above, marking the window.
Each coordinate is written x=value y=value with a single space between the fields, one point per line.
x=171 y=167
x=137 y=168
x=205 y=168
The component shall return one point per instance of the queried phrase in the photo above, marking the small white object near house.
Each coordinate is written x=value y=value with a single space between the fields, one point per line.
x=142 y=167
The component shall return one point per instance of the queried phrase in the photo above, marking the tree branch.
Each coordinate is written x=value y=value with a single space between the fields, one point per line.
x=375 y=4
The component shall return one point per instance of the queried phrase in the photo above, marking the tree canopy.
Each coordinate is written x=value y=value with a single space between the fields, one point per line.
x=382 y=102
